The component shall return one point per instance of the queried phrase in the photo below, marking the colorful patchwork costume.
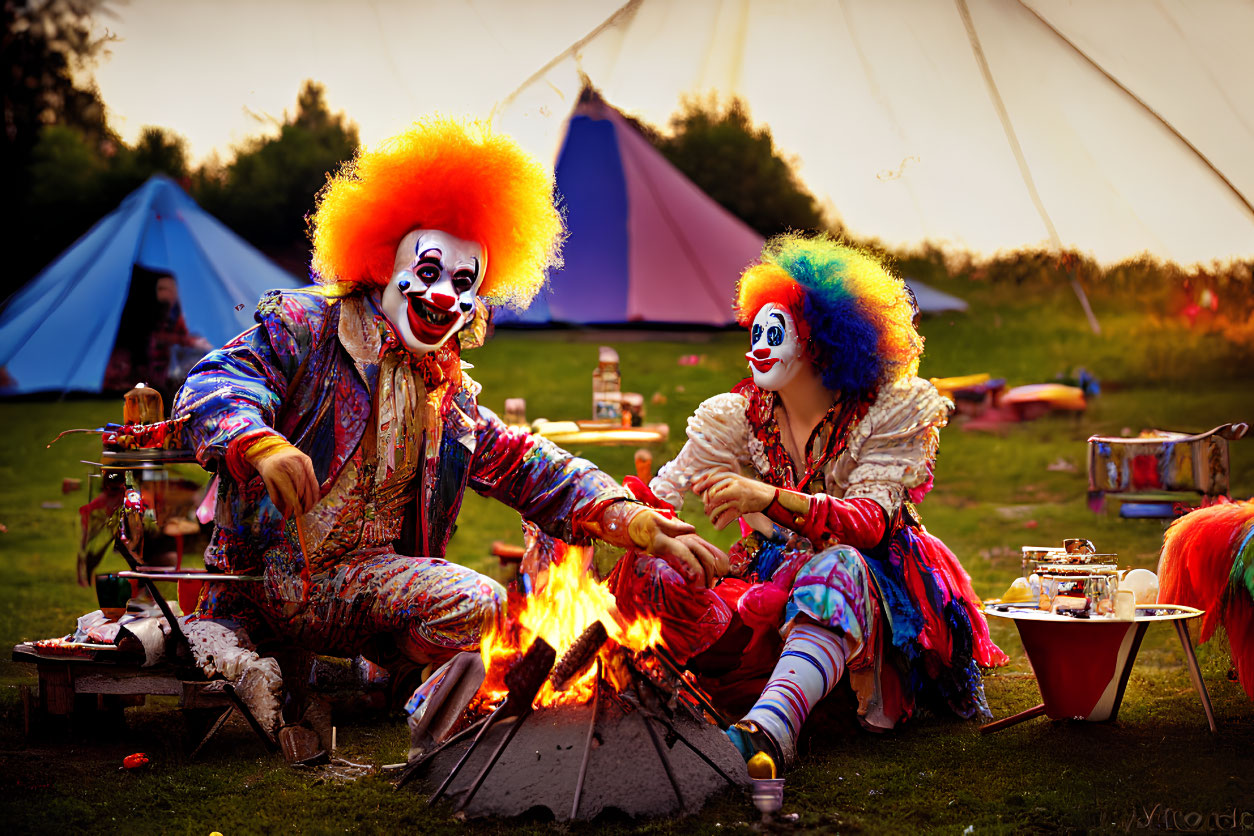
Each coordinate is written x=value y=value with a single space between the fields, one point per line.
x=345 y=432
x=394 y=443
x=835 y=569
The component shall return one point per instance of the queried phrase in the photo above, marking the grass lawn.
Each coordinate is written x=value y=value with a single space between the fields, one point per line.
x=1156 y=766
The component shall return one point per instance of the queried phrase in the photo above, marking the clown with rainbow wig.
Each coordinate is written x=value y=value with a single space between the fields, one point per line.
x=345 y=429
x=821 y=456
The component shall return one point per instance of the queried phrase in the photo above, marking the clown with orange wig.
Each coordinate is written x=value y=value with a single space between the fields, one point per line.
x=820 y=455
x=345 y=431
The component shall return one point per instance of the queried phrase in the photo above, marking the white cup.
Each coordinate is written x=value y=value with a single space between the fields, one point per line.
x=1125 y=605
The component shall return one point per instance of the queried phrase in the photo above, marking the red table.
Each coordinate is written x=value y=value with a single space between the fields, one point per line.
x=1082 y=665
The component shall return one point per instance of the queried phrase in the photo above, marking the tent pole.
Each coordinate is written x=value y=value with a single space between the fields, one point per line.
x=1012 y=139
x=622 y=11
x=1084 y=301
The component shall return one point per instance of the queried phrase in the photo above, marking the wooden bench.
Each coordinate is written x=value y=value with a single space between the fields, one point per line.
x=101 y=677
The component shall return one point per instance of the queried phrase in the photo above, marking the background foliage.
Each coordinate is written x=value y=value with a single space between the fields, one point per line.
x=717 y=146
x=68 y=167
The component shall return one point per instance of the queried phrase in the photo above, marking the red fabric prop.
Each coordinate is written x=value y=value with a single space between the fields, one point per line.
x=1207 y=562
x=134 y=761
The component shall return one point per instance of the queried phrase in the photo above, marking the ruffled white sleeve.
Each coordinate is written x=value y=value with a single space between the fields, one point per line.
x=893 y=447
x=718 y=440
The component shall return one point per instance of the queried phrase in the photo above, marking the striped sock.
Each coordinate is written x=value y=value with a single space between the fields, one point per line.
x=810 y=666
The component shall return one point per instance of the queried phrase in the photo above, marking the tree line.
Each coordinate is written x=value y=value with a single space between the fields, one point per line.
x=67 y=167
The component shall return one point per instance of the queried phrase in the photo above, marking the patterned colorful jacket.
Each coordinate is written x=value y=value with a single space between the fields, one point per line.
x=290 y=374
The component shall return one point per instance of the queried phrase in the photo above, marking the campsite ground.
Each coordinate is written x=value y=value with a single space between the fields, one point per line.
x=1156 y=767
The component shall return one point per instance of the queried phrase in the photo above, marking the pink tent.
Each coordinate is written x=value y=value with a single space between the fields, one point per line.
x=645 y=245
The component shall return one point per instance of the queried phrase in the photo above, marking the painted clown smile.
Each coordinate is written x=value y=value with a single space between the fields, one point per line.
x=763 y=365
x=428 y=322
x=431 y=294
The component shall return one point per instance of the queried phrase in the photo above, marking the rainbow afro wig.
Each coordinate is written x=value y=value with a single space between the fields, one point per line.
x=459 y=177
x=855 y=317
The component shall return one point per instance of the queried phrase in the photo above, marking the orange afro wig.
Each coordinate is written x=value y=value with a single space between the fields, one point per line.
x=459 y=177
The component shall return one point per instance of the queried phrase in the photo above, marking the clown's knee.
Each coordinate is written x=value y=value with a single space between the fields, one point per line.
x=838 y=561
x=833 y=590
x=479 y=607
x=488 y=600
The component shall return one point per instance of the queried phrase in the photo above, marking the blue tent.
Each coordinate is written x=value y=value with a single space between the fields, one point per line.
x=57 y=332
x=932 y=301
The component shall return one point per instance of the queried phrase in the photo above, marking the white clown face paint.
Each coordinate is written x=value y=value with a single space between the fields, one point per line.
x=431 y=295
x=775 y=351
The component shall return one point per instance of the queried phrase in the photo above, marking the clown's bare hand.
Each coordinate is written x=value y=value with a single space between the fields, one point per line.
x=730 y=495
x=627 y=524
x=289 y=477
x=700 y=561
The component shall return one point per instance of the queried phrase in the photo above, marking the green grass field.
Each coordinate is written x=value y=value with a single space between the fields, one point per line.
x=994 y=493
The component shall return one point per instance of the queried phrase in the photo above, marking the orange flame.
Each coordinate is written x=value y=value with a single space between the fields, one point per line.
x=569 y=602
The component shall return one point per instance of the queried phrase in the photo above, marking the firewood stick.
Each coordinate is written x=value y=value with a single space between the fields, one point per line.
x=524 y=681
x=579 y=657
x=587 y=743
x=300 y=534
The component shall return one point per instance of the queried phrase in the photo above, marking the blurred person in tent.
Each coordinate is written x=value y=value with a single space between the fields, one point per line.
x=821 y=455
x=172 y=348
x=153 y=345
x=345 y=429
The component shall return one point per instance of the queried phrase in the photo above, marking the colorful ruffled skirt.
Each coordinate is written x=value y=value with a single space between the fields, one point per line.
x=912 y=623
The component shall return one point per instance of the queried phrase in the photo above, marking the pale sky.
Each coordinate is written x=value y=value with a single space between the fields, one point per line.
x=207 y=68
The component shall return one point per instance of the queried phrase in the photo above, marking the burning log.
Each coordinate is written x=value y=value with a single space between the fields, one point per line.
x=580 y=656
x=525 y=679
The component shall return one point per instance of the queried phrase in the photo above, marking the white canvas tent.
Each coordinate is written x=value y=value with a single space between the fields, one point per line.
x=1110 y=126
x=1115 y=127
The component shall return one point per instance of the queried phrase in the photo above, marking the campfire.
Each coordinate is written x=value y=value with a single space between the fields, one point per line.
x=573 y=708
x=565 y=615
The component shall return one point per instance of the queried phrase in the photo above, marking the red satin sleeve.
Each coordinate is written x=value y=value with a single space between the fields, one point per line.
x=827 y=521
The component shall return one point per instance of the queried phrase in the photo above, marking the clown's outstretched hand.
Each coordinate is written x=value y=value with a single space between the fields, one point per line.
x=628 y=524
